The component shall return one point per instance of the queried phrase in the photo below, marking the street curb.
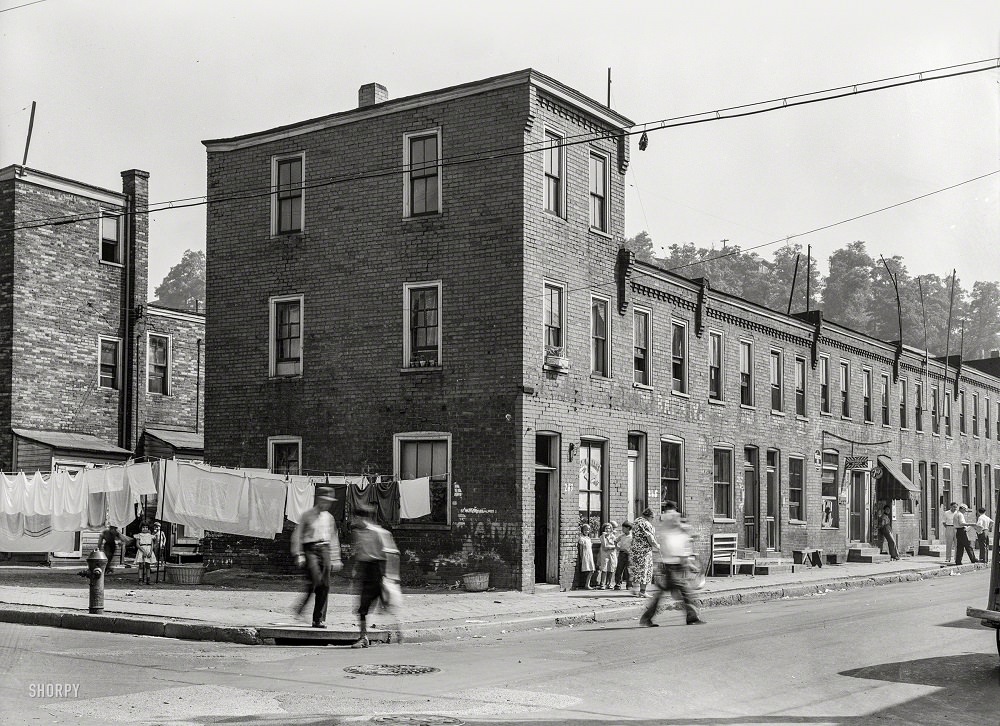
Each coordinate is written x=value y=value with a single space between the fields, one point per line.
x=449 y=629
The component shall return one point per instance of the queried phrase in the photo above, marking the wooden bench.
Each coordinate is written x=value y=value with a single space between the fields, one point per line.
x=724 y=550
x=810 y=556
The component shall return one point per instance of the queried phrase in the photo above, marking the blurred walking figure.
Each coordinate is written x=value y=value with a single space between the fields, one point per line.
x=316 y=547
x=373 y=548
x=674 y=544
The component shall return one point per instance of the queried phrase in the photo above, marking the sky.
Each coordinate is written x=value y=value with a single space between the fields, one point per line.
x=139 y=84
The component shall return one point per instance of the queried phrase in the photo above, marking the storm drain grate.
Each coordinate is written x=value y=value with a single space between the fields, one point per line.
x=391 y=669
x=418 y=720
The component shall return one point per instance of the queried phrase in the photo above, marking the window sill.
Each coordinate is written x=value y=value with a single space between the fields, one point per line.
x=723 y=520
x=642 y=386
x=545 y=366
x=886 y=426
x=600 y=232
x=599 y=377
x=291 y=236
x=109 y=263
x=290 y=377
x=421 y=369
x=777 y=413
x=747 y=407
x=799 y=522
x=829 y=529
x=846 y=418
x=826 y=413
x=433 y=526
x=418 y=217
x=904 y=428
x=918 y=431
x=550 y=214
x=800 y=417
x=716 y=402
x=869 y=423
x=680 y=394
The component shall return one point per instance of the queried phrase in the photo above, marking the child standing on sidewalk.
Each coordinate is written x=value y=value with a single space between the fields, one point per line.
x=145 y=556
x=607 y=556
x=623 y=545
x=585 y=546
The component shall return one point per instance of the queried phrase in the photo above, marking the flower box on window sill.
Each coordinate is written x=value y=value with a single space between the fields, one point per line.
x=423 y=363
x=556 y=359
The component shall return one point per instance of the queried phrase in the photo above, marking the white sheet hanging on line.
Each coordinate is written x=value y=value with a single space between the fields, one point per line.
x=38 y=495
x=121 y=507
x=115 y=478
x=11 y=528
x=69 y=506
x=265 y=509
x=206 y=493
x=300 y=498
x=38 y=536
x=140 y=478
x=12 y=493
x=414 y=497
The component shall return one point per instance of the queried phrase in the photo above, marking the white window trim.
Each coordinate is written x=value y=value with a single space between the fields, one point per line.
x=272 y=440
x=829 y=386
x=121 y=237
x=845 y=385
x=272 y=363
x=687 y=359
x=805 y=385
x=638 y=310
x=667 y=439
x=562 y=314
x=118 y=362
x=868 y=375
x=546 y=131
x=731 y=448
x=753 y=381
x=722 y=364
x=407 y=288
x=803 y=508
x=435 y=131
x=590 y=338
x=607 y=191
x=904 y=403
x=398 y=439
x=170 y=363
x=781 y=379
x=274 y=191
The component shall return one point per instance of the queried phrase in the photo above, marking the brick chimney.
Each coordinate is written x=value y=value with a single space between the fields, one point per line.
x=372 y=93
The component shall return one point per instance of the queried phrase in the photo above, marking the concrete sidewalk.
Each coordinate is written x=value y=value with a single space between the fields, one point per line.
x=43 y=596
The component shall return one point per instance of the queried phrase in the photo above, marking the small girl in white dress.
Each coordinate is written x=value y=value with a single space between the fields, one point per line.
x=145 y=556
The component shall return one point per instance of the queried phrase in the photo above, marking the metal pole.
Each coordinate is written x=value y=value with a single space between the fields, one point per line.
x=27 y=142
x=791 y=293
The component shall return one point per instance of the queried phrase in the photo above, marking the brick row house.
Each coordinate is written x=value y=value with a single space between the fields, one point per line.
x=89 y=372
x=436 y=286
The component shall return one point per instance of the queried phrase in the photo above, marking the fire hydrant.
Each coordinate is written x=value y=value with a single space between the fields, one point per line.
x=95 y=573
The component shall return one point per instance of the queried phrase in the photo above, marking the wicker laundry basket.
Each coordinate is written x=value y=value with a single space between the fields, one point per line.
x=476 y=581
x=185 y=574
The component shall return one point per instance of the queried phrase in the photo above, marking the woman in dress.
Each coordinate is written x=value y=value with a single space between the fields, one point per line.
x=145 y=556
x=640 y=557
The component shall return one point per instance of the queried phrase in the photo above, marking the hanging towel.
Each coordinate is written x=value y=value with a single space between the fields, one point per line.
x=265 y=508
x=121 y=508
x=140 y=478
x=38 y=496
x=414 y=498
x=97 y=510
x=387 y=501
x=359 y=493
x=11 y=527
x=207 y=493
x=300 y=497
x=115 y=481
x=96 y=479
x=12 y=493
x=70 y=506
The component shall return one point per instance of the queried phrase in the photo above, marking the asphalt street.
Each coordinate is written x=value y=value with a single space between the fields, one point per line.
x=902 y=654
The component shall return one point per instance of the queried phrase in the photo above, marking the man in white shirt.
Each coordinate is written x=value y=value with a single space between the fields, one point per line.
x=948 y=522
x=674 y=544
x=316 y=547
x=962 y=543
x=984 y=525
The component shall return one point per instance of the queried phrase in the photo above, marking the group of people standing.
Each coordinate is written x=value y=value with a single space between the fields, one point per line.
x=150 y=544
x=316 y=548
x=628 y=558
x=956 y=535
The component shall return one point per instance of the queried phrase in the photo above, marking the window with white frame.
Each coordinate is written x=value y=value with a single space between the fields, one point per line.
x=158 y=364
x=947 y=414
x=845 y=389
x=800 y=386
x=961 y=412
x=422 y=180
x=422 y=324
x=112 y=232
x=286 y=336
x=946 y=484
x=907 y=467
x=935 y=421
x=824 y=384
x=722 y=476
x=600 y=337
x=977 y=499
x=598 y=191
x=109 y=363
x=287 y=194
x=553 y=315
x=284 y=454
x=715 y=385
x=885 y=400
x=903 y=401
x=829 y=486
x=965 y=482
x=421 y=454
x=986 y=418
x=678 y=356
x=671 y=471
x=777 y=381
x=796 y=489
x=746 y=373
x=554 y=174
x=918 y=412
x=975 y=414
x=592 y=484
x=866 y=394
x=641 y=355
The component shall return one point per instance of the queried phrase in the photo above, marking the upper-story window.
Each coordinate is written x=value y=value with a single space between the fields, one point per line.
x=975 y=414
x=158 y=364
x=935 y=421
x=284 y=454
x=286 y=336
x=986 y=418
x=598 y=191
x=641 y=357
x=866 y=394
x=112 y=229
x=554 y=174
x=885 y=400
x=997 y=427
x=553 y=315
x=800 y=386
x=288 y=194
x=746 y=373
x=678 y=356
x=845 y=389
x=109 y=363
x=947 y=414
x=423 y=173
x=600 y=338
x=777 y=382
x=824 y=384
x=918 y=412
x=961 y=412
x=903 y=403
x=715 y=366
x=422 y=324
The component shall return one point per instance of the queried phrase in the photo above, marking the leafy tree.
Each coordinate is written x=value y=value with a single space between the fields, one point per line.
x=848 y=293
x=183 y=287
x=642 y=246
x=982 y=319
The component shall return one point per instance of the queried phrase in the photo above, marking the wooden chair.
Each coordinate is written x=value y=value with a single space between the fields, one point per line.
x=724 y=549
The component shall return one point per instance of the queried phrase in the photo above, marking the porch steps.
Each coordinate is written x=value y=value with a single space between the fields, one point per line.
x=865 y=553
x=931 y=548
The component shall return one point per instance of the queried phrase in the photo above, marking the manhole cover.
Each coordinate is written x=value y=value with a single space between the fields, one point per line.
x=418 y=720
x=392 y=669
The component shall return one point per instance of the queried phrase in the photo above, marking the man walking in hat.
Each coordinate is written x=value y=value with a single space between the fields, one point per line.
x=316 y=547
x=962 y=543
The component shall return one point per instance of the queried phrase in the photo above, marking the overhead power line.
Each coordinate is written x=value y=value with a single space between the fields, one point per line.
x=499 y=153
x=6 y=10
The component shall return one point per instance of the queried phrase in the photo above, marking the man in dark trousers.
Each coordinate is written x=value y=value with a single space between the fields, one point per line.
x=108 y=544
x=371 y=546
x=674 y=544
x=316 y=547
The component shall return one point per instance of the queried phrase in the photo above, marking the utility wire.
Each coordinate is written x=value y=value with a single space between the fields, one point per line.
x=583 y=138
x=5 y=10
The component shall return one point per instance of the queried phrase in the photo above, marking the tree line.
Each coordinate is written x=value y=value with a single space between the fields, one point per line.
x=857 y=292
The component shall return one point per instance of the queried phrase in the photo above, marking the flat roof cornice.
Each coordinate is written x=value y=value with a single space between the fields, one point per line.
x=51 y=181
x=549 y=85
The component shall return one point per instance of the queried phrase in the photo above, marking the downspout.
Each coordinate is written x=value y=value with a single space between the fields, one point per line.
x=197 y=386
x=124 y=408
